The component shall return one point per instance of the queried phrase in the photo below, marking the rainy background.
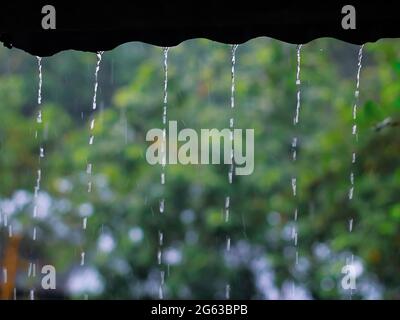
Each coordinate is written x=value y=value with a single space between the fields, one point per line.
x=113 y=242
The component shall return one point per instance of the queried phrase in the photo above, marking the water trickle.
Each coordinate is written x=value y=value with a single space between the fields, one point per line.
x=89 y=165
x=354 y=113
x=96 y=84
x=32 y=294
x=163 y=164
x=233 y=63
x=39 y=61
x=232 y=164
x=231 y=120
x=354 y=133
x=38 y=120
x=41 y=153
x=10 y=231
x=294 y=152
x=298 y=83
x=164 y=114
x=39 y=96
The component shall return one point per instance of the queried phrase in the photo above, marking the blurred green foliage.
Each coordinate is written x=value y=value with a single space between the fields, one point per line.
x=127 y=190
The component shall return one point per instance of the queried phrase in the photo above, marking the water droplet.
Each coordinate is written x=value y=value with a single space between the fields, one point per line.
x=351 y=191
x=30 y=270
x=82 y=258
x=162 y=203
x=294 y=186
x=227 y=292
x=162 y=178
x=230 y=177
x=162 y=276
x=39 y=117
x=89 y=168
x=352 y=178
x=160 y=293
x=5 y=275
x=159 y=256
x=227 y=202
